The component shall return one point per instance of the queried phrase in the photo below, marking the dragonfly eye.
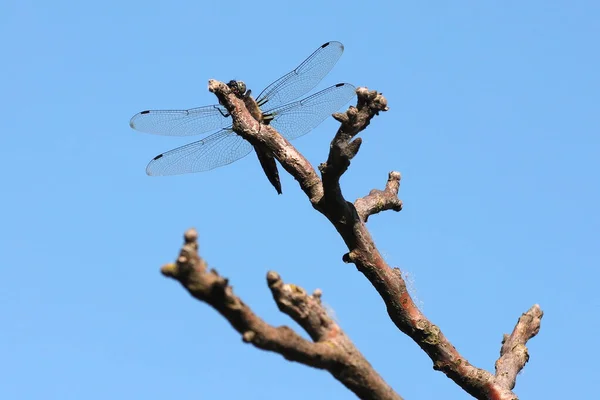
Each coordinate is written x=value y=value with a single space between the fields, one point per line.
x=238 y=88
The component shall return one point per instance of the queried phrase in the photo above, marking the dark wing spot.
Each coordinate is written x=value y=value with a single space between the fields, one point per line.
x=145 y=112
x=325 y=45
x=340 y=84
x=157 y=157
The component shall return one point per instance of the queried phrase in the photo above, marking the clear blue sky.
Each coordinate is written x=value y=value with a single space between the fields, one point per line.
x=493 y=122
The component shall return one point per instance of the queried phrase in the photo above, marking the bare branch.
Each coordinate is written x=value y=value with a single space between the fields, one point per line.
x=330 y=350
x=349 y=221
x=343 y=148
x=514 y=354
x=305 y=309
x=380 y=200
x=289 y=158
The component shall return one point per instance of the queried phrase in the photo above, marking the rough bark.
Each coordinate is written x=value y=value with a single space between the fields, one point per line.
x=330 y=348
x=349 y=219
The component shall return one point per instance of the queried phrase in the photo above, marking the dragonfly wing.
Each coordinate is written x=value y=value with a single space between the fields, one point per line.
x=300 y=117
x=181 y=122
x=302 y=79
x=221 y=148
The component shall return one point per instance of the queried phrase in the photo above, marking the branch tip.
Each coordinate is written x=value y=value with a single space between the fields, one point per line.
x=273 y=278
x=513 y=353
x=395 y=175
x=381 y=200
x=343 y=148
x=169 y=270
x=215 y=86
x=340 y=117
x=190 y=236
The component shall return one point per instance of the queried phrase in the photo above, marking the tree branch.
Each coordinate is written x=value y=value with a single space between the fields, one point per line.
x=349 y=220
x=514 y=354
x=343 y=148
x=247 y=127
x=380 y=200
x=330 y=349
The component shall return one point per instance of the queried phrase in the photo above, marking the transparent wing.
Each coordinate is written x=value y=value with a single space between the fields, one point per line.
x=221 y=148
x=298 y=118
x=302 y=79
x=181 y=122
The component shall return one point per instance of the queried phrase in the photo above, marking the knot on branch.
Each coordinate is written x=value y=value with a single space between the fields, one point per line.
x=248 y=336
x=349 y=257
x=372 y=100
x=192 y=272
x=307 y=310
x=380 y=200
x=188 y=260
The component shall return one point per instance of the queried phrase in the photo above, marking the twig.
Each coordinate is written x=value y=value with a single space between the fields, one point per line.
x=380 y=200
x=349 y=220
x=514 y=354
x=330 y=349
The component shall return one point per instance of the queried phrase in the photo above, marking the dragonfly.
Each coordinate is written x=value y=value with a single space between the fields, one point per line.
x=274 y=106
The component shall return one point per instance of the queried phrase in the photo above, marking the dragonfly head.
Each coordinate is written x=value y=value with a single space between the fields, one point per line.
x=238 y=88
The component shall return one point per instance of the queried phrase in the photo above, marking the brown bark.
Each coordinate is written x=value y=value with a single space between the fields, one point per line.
x=330 y=348
x=349 y=219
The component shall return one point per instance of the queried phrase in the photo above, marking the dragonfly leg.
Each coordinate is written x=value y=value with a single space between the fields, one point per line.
x=225 y=115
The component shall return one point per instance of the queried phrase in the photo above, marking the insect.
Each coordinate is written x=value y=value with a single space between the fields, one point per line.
x=273 y=107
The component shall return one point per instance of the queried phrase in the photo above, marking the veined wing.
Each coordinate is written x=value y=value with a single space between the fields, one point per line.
x=218 y=149
x=302 y=79
x=300 y=117
x=181 y=122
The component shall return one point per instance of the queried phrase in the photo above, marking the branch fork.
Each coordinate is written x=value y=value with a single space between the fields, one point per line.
x=330 y=348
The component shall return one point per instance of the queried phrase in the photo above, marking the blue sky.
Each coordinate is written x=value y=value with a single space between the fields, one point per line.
x=493 y=123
